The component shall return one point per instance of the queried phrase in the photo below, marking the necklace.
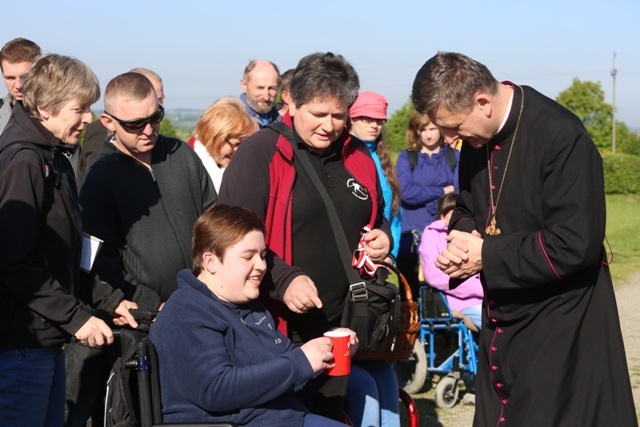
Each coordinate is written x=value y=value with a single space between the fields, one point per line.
x=492 y=228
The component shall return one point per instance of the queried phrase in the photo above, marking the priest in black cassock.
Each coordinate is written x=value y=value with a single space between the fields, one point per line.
x=530 y=219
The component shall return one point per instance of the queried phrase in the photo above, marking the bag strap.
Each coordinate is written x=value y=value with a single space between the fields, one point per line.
x=450 y=156
x=413 y=159
x=357 y=286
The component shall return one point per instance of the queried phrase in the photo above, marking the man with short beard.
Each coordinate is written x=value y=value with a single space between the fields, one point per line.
x=260 y=84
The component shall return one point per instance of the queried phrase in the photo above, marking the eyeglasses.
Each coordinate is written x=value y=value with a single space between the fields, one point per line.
x=366 y=119
x=234 y=143
x=139 y=124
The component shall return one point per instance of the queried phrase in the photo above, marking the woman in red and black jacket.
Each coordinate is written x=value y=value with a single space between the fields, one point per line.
x=305 y=269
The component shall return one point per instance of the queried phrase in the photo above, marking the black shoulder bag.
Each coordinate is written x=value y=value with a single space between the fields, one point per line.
x=367 y=309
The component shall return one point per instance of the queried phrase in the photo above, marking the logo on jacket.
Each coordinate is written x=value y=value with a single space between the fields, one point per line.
x=357 y=190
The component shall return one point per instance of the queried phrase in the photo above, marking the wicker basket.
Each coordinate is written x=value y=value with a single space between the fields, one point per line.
x=397 y=346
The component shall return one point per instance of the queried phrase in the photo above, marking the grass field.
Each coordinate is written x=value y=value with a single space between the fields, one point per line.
x=623 y=235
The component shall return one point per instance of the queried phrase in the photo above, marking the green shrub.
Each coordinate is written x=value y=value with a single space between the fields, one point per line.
x=395 y=129
x=621 y=174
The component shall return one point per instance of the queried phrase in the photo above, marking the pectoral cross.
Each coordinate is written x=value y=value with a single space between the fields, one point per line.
x=492 y=229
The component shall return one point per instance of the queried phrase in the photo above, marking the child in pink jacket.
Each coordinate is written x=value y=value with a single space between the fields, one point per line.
x=465 y=299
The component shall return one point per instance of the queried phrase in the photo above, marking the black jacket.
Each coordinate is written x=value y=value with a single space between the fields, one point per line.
x=145 y=217
x=41 y=241
x=551 y=349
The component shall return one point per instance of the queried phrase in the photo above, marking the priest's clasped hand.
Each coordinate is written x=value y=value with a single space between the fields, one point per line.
x=462 y=258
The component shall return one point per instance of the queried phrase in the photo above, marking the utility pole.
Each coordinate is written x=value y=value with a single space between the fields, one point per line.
x=613 y=113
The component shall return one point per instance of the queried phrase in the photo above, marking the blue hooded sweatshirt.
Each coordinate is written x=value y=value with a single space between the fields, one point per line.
x=225 y=362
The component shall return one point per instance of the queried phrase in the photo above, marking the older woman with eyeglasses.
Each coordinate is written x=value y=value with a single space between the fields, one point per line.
x=218 y=134
x=41 y=243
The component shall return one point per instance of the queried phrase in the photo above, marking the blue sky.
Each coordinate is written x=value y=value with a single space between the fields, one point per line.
x=201 y=47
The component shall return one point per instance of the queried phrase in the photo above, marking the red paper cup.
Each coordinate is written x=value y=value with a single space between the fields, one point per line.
x=341 y=355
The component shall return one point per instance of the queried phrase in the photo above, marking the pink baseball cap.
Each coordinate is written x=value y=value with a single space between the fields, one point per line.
x=369 y=104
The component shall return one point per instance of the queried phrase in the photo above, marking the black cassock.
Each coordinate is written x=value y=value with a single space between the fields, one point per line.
x=551 y=350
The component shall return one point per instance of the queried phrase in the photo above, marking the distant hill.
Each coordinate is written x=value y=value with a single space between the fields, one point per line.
x=183 y=118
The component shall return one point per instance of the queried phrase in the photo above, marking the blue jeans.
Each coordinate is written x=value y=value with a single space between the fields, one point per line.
x=32 y=387
x=372 y=397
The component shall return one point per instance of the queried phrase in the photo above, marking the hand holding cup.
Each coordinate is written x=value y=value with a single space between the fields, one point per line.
x=318 y=352
x=344 y=345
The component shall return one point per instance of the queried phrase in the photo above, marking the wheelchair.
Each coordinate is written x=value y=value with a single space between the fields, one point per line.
x=135 y=380
x=445 y=347
x=138 y=385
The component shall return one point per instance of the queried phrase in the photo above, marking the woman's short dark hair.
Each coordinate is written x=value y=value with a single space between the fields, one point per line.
x=220 y=227
x=321 y=76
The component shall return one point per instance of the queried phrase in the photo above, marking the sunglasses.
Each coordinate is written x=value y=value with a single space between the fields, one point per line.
x=139 y=124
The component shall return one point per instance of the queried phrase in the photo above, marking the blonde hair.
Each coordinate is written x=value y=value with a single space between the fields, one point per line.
x=225 y=119
x=54 y=80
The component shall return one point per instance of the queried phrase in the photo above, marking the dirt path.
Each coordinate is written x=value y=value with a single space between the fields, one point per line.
x=628 y=299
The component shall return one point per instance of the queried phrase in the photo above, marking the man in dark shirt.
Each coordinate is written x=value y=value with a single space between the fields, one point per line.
x=95 y=134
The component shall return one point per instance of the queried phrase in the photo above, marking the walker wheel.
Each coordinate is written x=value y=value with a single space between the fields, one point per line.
x=446 y=395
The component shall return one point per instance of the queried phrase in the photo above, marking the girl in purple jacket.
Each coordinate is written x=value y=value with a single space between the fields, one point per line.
x=466 y=299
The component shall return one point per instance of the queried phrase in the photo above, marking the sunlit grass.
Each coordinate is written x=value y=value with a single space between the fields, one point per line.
x=623 y=234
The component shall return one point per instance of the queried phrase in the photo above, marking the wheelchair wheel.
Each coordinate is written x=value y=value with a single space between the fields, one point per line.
x=412 y=373
x=446 y=395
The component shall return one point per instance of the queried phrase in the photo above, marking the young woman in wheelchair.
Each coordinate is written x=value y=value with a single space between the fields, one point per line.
x=220 y=354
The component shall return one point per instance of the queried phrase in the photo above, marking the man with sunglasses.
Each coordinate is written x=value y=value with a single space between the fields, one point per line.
x=95 y=134
x=141 y=196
